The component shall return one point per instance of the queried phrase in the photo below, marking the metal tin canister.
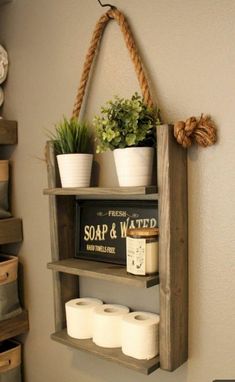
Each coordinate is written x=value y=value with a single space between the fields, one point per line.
x=142 y=251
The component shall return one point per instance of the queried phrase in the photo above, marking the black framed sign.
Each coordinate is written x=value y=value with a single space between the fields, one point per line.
x=101 y=227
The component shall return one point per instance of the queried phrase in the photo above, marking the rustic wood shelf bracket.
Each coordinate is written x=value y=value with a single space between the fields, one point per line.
x=62 y=212
x=173 y=249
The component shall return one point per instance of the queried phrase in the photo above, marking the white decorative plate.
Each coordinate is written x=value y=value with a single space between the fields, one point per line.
x=3 y=64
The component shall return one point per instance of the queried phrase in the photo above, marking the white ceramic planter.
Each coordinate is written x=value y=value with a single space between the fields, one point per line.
x=134 y=166
x=75 y=169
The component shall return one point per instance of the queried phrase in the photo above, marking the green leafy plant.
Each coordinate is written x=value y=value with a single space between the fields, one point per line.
x=71 y=136
x=125 y=123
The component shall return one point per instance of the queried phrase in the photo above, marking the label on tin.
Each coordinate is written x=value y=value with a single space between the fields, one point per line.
x=136 y=249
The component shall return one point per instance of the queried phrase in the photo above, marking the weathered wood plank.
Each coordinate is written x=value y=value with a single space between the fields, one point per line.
x=173 y=247
x=103 y=271
x=102 y=191
x=114 y=355
x=8 y=132
x=62 y=241
x=14 y=326
x=10 y=231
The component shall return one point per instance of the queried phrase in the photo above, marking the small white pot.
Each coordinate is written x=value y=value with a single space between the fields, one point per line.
x=134 y=166
x=75 y=169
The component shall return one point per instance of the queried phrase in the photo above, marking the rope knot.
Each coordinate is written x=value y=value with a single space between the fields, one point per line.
x=201 y=131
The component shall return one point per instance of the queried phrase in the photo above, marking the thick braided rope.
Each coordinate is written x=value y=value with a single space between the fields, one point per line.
x=96 y=37
x=130 y=43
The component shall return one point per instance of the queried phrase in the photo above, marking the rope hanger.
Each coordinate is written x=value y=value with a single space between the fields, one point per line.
x=106 y=5
x=201 y=131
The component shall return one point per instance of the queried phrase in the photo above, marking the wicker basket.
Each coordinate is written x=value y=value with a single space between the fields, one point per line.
x=9 y=300
x=10 y=361
x=4 y=179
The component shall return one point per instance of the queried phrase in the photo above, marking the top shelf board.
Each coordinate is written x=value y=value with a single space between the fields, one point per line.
x=103 y=191
x=8 y=132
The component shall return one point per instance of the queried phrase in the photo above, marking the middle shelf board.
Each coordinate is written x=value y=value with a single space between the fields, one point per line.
x=8 y=132
x=14 y=326
x=114 y=355
x=10 y=230
x=112 y=192
x=103 y=271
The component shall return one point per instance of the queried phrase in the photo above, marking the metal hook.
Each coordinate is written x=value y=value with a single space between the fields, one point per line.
x=106 y=5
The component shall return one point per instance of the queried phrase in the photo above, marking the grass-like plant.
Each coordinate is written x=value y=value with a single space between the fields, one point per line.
x=125 y=123
x=71 y=136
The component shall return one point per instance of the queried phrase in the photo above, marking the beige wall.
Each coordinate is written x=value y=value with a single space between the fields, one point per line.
x=188 y=48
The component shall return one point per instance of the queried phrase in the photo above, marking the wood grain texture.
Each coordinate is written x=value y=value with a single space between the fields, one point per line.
x=14 y=326
x=102 y=191
x=114 y=355
x=8 y=132
x=103 y=271
x=173 y=248
x=11 y=231
x=62 y=210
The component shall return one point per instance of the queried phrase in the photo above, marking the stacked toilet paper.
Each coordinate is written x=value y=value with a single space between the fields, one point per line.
x=79 y=317
x=108 y=325
x=111 y=326
x=140 y=335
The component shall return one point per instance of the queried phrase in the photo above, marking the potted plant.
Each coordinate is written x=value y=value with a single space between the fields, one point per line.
x=72 y=143
x=127 y=126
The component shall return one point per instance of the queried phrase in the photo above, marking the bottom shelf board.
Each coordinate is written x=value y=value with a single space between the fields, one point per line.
x=14 y=326
x=114 y=355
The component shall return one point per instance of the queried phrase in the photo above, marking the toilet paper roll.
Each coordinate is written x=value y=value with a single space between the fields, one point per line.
x=140 y=335
x=107 y=325
x=79 y=316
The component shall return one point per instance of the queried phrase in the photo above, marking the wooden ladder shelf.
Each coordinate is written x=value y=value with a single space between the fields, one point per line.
x=173 y=272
